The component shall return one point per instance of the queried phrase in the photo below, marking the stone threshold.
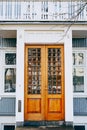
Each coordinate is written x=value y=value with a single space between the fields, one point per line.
x=45 y=128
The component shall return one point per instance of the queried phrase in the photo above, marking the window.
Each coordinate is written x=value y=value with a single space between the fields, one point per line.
x=10 y=72
x=9 y=127
x=79 y=127
x=10 y=79
x=7 y=42
x=78 y=71
x=78 y=79
x=10 y=58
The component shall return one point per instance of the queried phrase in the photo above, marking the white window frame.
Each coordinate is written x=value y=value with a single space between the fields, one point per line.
x=81 y=50
x=3 y=66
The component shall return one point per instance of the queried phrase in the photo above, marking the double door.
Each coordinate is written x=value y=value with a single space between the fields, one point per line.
x=44 y=83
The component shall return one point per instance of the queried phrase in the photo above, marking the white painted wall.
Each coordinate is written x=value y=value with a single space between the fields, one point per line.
x=20 y=74
x=44 y=36
x=80 y=119
x=7 y=119
x=68 y=77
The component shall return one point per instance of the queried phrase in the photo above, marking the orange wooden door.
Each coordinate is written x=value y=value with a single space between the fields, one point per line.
x=34 y=83
x=54 y=83
x=44 y=83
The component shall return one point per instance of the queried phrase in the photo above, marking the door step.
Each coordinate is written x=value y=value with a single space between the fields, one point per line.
x=45 y=128
x=44 y=123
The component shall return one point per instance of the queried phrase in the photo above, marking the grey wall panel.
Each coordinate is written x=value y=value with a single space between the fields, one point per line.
x=7 y=106
x=80 y=106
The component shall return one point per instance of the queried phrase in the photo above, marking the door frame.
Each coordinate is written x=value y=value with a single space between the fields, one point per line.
x=45 y=69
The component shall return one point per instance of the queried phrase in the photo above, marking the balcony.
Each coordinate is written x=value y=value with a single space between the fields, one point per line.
x=42 y=10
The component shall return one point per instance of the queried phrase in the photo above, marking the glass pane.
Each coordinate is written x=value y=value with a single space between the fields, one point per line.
x=54 y=70
x=74 y=59
x=78 y=58
x=8 y=42
x=9 y=127
x=10 y=58
x=34 y=71
x=78 y=79
x=10 y=80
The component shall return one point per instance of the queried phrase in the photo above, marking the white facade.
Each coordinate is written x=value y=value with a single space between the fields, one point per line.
x=30 y=34
x=41 y=33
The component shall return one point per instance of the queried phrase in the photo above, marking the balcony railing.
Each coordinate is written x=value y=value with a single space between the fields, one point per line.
x=42 y=10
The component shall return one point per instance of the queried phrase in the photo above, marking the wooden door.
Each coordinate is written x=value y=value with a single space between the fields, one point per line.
x=54 y=83
x=34 y=83
x=44 y=83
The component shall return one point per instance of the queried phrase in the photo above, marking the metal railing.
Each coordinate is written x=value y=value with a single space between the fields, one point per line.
x=42 y=11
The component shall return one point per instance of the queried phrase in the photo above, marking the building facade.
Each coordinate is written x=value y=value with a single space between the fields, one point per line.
x=43 y=66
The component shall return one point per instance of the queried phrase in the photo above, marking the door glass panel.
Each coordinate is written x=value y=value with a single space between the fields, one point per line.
x=54 y=71
x=34 y=71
